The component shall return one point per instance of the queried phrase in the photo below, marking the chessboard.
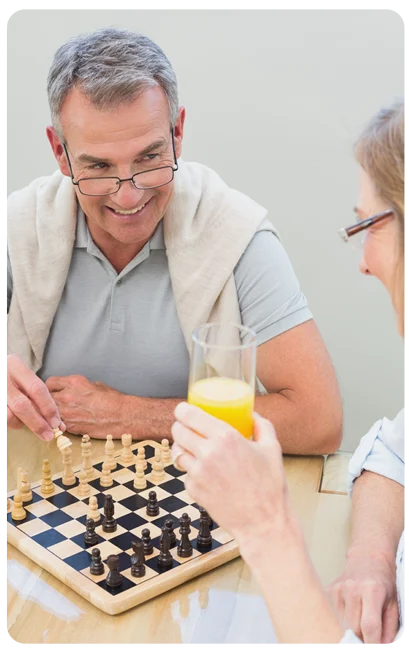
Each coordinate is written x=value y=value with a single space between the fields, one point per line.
x=52 y=534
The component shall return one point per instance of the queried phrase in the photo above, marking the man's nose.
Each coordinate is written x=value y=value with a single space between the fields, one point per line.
x=127 y=196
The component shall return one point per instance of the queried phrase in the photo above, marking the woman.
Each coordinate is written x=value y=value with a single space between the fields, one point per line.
x=365 y=597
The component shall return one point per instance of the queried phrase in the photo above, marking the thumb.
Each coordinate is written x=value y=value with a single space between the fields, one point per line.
x=263 y=430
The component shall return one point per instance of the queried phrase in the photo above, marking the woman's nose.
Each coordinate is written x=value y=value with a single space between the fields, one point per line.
x=363 y=266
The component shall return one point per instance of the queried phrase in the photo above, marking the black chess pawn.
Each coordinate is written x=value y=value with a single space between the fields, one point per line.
x=138 y=569
x=204 y=538
x=90 y=536
x=97 y=567
x=185 y=546
x=172 y=537
x=165 y=559
x=114 y=578
x=147 y=542
x=152 y=508
x=109 y=524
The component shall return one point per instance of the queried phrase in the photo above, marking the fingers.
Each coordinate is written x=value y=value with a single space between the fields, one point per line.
x=390 y=622
x=263 y=430
x=188 y=439
x=22 y=408
x=56 y=383
x=353 y=612
x=194 y=418
x=371 y=618
x=181 y=458
x=12 y=421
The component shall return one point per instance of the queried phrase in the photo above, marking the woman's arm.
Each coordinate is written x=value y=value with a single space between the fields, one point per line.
x=365 y=595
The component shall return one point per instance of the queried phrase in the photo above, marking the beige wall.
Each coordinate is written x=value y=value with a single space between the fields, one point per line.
x=274 y=101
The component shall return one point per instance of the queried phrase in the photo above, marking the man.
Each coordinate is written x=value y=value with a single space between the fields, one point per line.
x=119 y=255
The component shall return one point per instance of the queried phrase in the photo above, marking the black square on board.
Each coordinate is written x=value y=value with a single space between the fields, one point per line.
x=124 y=561
x=79 y=561
x=130 y=521
x=149 y=451
x=56 y=518
x=124 y=541
x=58 y=481
x=153 y=564
x=126 y=584
x=49 y=538
x=97 y=485
x=129 y=485
x=160 y=522
x=29 y=517
x=196 y=523
x=170 y=469
x=214 y=545
x=174 y=486
x=170 y=504
x=79 y=540
x=135 y=502
x=62 y=499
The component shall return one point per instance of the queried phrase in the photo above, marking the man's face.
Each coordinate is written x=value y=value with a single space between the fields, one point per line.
x=121 y=142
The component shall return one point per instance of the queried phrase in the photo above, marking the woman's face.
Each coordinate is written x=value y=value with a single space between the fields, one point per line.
x=380 y=249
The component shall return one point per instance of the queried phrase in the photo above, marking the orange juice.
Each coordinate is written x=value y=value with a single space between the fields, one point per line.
x=230 y=400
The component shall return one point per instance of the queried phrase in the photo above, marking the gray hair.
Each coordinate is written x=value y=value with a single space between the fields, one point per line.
x=111 y=67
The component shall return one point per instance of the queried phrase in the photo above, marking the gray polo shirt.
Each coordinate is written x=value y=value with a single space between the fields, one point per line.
x=123 y=329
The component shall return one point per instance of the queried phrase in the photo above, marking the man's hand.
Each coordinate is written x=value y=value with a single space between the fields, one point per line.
x=88 y=407
x=365 y=599
x=28 y=401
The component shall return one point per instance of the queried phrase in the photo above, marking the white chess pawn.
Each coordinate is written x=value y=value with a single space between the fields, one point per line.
x=93 y=512
x=19 y=512
x=106 y=479
x=140 y=458
x=25 y=490
x=109 y=453
x=158 y=473
x=84 y=489
x=126 y=452
x=68 y=477
x=47 y=486
x=166 y=452
x=140 y=480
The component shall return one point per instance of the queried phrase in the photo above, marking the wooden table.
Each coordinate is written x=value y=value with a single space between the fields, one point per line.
x=222 y=606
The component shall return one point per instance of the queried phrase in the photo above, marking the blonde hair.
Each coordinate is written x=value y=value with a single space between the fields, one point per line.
x=380 y=150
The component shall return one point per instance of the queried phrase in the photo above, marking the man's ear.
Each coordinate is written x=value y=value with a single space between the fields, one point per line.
x=178 y=130
x=58 y=150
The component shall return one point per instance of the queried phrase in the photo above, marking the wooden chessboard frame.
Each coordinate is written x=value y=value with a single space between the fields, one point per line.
x=142 y=592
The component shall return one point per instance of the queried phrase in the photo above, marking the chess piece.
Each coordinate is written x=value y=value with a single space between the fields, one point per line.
x=140 y=480
x=84 y=489
x=106 y=479
x=97 y=566
x=47 y=486
x=114 y=578
x=19 y=512
x=140 y=458
x=109 y=453
x=93 y=512
x=126 y=452
x=19 y=476
x=62 y=441
x=109 y=524
x=165 y=559
x=90 y=536
x=166 y=452
x=25 y=490
x=86 y=457
x=152 y=507
x=8 y=505
x=68 y=477
x=158 y=473
x=185 y=548
x=172 y=537
x=147 y=542
x=138 y=569
x=204 y=537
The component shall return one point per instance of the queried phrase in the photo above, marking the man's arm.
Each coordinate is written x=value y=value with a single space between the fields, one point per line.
x=304 y=403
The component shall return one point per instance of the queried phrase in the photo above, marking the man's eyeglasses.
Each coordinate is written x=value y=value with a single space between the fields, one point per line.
x=361 y=227
x=146 y=180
